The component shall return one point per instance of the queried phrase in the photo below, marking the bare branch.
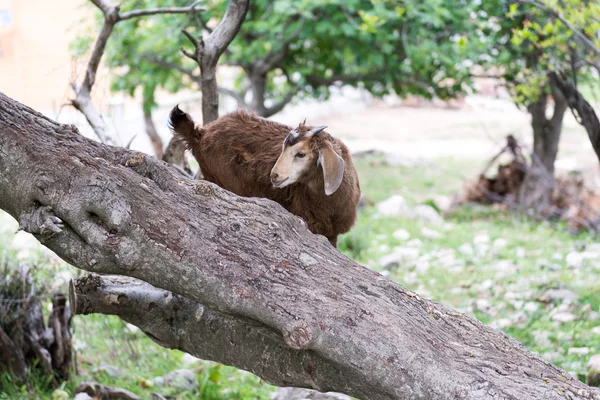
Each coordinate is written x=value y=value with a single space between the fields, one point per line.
x=229 y=26
x=277 y=107
x=82 y=100
x=587 y=42
x=194 y=7
x=191 y=38
x=173 y=65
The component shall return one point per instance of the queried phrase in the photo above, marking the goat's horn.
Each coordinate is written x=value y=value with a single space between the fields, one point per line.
x=304 y=122
x=316 y=130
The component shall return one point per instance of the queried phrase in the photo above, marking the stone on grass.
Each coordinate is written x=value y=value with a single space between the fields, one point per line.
x=430 y=233
x=428 y=214
x=499 y=244
x=395 y=206
x=531 y=306
x=581 y=351
x=596 y=330
x=466 y=249
x=565 y=295
x=593 y=369
x=564 y=316
x=188 y=359
x=110 y=370
x=288 y=393
x=401 y=234
x=179 y=380
x=400 y=256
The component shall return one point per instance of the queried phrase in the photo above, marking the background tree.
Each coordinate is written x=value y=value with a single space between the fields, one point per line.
x=528 y=41
x=288 y=50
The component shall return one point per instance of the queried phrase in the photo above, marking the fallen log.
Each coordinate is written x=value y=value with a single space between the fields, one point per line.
x=114 y=211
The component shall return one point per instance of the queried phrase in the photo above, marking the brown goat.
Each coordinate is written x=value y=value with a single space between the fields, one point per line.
x=306 y=170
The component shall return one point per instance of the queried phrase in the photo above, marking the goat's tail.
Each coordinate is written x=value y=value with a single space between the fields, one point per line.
x=182 y=124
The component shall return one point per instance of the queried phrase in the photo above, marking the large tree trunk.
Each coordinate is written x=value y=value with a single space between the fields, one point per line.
x=258 y=288
x=539 y=180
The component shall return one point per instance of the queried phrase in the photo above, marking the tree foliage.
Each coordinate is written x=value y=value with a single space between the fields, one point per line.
x=292 y=49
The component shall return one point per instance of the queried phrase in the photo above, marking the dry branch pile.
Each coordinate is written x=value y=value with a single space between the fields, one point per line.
x=26 y=342
x=569 y=198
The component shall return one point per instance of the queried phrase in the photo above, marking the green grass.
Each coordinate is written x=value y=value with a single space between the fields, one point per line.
x=531 y=248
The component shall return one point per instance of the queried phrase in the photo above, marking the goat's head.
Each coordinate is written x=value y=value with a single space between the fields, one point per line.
x=303 y=151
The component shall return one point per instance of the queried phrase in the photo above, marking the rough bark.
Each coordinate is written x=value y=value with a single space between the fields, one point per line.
x=157 y=143
x=125 y=213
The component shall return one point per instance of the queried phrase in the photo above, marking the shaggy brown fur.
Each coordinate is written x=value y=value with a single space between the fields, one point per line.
x=239 y=150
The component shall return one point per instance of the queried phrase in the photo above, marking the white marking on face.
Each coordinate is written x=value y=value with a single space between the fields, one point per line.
x=291 y=164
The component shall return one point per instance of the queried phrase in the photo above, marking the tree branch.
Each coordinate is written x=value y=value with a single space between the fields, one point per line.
x=578 y=104
x=194 y=7
x=246 y=258
x=82 y=100
x=166 y=318
x=587 y=42
x=277 y=107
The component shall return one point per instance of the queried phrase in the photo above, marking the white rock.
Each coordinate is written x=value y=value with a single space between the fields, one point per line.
x=443 y=203
x=576 y=259
x=400 y=256
x=520 y=252
x=82 y=396
x=132 y=328
x=501 y=323
x=290 y=393
x=552 y=356
x=482 y=304
x=414 y=243
x=384 y=248
x=499 y=244
x=401 y=234
x=110 y=370
x=182 y=379
x=596 y=330
x=466 y=249
x=565 y=295
x=486 y=285
x=531 y=306
x=557 y=257
x=188 y=359
x=395 y=206
x=582 y=351
x=430 y=233
x=427 y=214
x=481 y=238
x=504 y=266
x=542 y=338
x=564 y=316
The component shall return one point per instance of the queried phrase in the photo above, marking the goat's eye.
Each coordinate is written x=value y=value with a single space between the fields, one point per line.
x=300 y=155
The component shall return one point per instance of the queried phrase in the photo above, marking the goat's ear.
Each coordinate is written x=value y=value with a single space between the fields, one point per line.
x=333 y=168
